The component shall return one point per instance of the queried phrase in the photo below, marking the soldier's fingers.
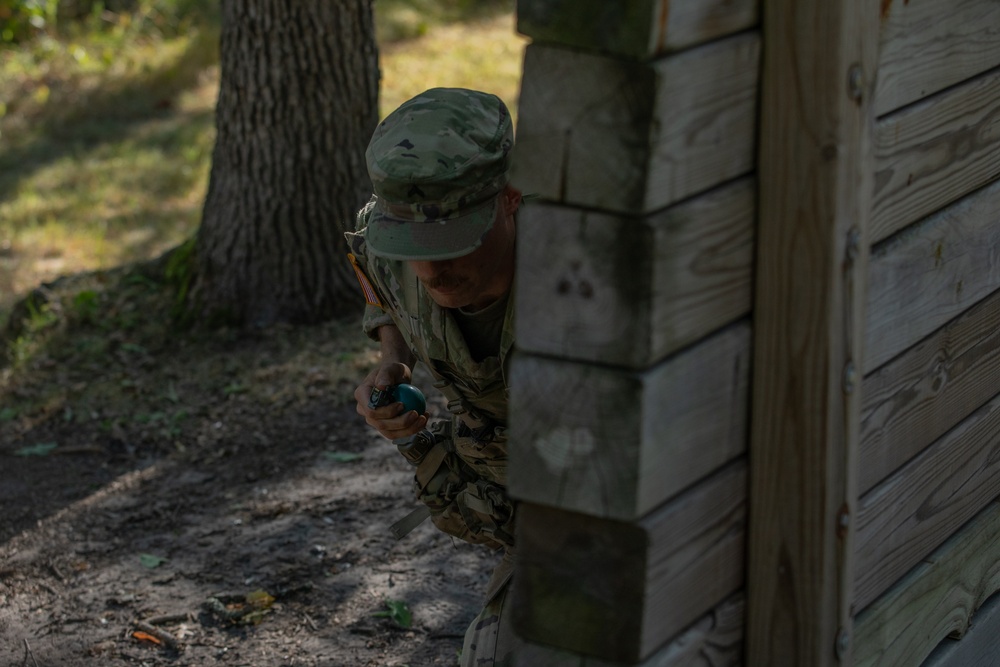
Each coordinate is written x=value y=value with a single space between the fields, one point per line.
x=401 y=426
x=391 y=374
x=386 y=412
x=361 y=396
x=415 y=427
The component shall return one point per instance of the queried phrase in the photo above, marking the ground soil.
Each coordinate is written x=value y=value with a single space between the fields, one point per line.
x=180 y=479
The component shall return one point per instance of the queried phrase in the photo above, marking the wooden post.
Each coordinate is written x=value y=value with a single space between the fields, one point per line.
x=815 y=174
x=629 y=386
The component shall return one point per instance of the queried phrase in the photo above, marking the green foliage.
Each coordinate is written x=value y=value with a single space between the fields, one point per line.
x=342 y=457
x=397 y=612
x=37 y=317
x=234 y=388
x=169 y=424
x=85 y=305
x=41 y=449
x=23 y=19
x=151 y=561
x=40 y=314
x=179 y=275
x=397 y=20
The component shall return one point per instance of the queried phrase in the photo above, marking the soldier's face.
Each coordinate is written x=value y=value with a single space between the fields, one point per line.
x=484 y=275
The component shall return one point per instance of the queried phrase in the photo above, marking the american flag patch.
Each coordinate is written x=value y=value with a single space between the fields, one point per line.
x=371 y=296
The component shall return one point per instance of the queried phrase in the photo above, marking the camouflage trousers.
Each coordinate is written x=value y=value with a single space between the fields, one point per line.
x=490 y=640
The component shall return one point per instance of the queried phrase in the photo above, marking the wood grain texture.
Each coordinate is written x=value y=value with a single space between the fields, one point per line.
x=906 y=517
x=704 y=132
x=931 y=273
x=697 y=552
x=978 y=647
x=631 y=137
x=916 y=398
x=929 y=45
x=615 y=443
x=936 y=599
x=628 y=292
x=935 y=152
x=638 y=29
x=620 y=591
x=815 y=174
x=714 y=640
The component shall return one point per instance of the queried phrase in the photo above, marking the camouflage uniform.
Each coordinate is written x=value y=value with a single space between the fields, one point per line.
x=435 y=201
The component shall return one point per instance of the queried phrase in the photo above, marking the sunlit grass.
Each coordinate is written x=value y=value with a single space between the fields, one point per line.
x=108 y=194
x=485 y=55
x=106 y=134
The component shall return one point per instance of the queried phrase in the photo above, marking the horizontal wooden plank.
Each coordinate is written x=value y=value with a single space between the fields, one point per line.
x=930 y=273
x=935 y=152
x=628 y=292
x=636 y=29
x=615 y=443
x=935 y=600
x=916 y=398
x=978 y=647
x=714 y=640
x=619 y=591
x=905 y=518
x=631 y=137
x=929 y=45
x=705 y=125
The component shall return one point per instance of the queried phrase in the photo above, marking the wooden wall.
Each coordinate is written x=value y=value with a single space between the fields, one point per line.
x=927 y=549
x=630 y=387
x=756 y=395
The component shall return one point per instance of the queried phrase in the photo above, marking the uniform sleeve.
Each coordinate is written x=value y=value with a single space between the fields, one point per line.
x=374 y=318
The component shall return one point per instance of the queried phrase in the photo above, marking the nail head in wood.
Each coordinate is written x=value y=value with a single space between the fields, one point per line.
x=855 y=82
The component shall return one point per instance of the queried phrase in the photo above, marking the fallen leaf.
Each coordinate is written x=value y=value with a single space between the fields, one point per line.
x=398 y=612
x=342 y=457
x=260 y=599
x=146 y=637
x=151 y=561
x=41 y=449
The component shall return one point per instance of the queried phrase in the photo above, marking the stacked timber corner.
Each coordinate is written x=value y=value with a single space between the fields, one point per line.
x=756 y=396
x=630 y=388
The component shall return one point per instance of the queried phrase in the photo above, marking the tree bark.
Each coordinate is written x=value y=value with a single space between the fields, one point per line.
x=298 y=101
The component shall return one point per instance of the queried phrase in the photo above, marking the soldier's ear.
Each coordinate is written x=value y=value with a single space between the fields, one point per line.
x=511 y=198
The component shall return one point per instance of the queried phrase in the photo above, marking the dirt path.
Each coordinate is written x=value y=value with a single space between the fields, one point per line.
x=117 y=510
x=308 y=530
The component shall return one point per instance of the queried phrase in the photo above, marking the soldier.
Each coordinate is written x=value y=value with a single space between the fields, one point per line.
x=434 y=252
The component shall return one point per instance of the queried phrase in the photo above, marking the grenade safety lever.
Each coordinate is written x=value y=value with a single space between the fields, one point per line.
x=411 y=397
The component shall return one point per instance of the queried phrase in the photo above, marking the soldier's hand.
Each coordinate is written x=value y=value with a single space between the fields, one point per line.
x=392 y=420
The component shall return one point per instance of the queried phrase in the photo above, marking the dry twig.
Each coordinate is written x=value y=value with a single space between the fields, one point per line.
x=168 y=639
x=169 y=618
x=55 y=570
x=27 y=652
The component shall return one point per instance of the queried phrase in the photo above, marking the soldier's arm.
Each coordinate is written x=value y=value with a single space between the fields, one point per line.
x=394 y=351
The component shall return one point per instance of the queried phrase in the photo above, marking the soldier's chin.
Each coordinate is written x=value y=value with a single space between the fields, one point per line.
x=450 y=297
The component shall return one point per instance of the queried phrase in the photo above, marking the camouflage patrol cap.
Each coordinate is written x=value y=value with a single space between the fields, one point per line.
x=437 y=165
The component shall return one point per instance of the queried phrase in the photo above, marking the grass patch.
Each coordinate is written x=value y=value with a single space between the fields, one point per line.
x=107 y=124
x=400 y=20
x=490 y=59
x=106 y=134
x=92 y=350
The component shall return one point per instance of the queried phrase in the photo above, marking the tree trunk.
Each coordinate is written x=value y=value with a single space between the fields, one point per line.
x=298 y=101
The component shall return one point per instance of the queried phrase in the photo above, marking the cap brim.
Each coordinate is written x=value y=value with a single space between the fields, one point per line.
x=395 y=238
